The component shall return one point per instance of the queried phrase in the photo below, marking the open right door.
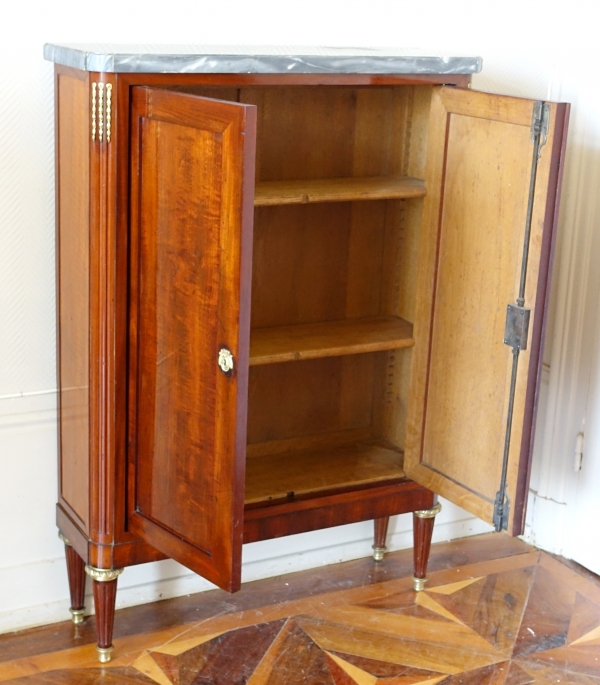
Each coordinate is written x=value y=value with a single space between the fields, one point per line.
x=493 y=178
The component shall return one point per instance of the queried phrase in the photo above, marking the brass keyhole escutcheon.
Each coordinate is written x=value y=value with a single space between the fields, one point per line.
x=225 y=360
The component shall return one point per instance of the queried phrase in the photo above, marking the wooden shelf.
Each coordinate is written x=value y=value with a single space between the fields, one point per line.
x=291 y=474
x=337 y=190
x=328 y=339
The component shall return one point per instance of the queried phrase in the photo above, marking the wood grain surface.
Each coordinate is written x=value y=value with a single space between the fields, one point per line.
x=328 y=339
x=469 y=271
x=337 y=190
x=188 y=421
x=310 y=397
x=324 y=273
x=73 y=281
x=276 y=476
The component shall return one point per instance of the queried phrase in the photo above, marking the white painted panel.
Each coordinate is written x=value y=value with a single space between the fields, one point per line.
x=28 y=483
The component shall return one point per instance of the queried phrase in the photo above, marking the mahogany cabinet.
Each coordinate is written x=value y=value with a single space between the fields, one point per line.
x=291 y=300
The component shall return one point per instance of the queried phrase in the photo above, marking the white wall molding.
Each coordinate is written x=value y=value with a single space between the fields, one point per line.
x=28 y=410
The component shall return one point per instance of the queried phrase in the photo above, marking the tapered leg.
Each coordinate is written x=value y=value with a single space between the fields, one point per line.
x=423 y=521
x=105 y=595
x=379 y=548
x=76 y=574
x=76 y=571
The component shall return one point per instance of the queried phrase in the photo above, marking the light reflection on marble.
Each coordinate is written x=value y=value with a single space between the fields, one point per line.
x=253 y=60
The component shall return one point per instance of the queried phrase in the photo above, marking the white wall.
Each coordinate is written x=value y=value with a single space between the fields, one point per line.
x=525 y=46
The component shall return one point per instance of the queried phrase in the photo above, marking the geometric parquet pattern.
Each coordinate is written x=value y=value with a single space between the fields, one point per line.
x=514 y=621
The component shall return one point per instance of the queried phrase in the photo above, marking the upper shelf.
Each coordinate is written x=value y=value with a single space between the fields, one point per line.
x=328 y=339
x=337 y=190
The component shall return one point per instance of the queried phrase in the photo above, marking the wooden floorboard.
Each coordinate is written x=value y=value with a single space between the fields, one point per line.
x=495 y=612
x=189 y=609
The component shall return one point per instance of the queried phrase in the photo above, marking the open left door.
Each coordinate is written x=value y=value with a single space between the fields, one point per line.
x=192 y=193
x=492 y=184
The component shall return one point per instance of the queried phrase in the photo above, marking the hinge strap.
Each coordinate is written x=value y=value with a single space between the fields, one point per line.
x=539 y=135
x=517 y=316
x=540 y=122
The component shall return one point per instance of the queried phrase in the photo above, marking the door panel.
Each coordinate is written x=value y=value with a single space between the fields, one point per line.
x=472 y=250
x=191 y=237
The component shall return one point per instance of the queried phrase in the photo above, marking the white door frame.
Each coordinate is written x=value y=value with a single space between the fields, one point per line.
x=564 y=504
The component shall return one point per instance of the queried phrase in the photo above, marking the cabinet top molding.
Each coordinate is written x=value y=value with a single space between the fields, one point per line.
x=194 y=59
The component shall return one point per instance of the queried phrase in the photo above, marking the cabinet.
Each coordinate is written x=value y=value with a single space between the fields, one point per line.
x=289 y=301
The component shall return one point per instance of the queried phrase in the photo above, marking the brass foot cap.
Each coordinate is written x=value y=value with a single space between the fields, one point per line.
x=104 y=654
x=77 y=615
x=379 y=553
x=419 y=584
x=428 y=513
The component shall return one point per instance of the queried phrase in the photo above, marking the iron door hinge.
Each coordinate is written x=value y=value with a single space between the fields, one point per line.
x=517 y=326
x=501 y=510
x=540 y=123
x=101 y=111
x=517 y=315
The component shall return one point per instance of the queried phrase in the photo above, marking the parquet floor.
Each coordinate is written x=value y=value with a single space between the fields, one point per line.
x=496 y=612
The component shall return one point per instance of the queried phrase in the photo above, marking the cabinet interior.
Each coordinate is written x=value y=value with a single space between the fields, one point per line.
x=338 y=204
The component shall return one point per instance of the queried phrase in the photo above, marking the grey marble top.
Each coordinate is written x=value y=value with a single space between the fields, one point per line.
x=254 y=60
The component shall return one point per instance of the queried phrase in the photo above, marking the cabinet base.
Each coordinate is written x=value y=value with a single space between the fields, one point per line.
x=378 y=502
x=269 y=521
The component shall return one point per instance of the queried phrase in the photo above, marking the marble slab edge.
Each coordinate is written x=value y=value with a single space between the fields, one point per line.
x=206 y=63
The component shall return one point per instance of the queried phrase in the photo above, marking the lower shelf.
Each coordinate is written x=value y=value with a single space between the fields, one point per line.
x=293 y=474
x=268 y=520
